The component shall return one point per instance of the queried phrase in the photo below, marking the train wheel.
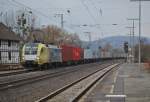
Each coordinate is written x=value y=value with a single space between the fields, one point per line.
x=40 y=67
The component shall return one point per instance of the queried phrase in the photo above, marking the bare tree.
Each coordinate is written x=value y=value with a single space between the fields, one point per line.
x=145 y=52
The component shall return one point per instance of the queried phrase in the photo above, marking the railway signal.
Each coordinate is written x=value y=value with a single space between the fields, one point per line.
x=126 y=47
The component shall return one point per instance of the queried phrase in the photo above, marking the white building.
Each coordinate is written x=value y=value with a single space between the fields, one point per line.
x=9 y=46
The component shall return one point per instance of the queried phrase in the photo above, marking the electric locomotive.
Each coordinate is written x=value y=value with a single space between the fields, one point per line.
x=40 y=55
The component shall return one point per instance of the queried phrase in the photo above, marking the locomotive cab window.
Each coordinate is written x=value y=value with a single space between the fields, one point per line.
x=31 y=49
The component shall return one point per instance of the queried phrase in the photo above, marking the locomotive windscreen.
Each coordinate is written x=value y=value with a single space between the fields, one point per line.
x=31 y=49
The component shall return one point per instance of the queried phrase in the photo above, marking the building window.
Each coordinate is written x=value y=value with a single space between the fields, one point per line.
x=9 y=43
x=9 y=55
x=0 y=55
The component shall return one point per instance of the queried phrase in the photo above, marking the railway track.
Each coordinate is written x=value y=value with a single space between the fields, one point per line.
x=20 y=82
x=13 y=73
x=74 y=91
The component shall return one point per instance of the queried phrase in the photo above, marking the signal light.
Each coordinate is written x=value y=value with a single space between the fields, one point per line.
x=126 y=47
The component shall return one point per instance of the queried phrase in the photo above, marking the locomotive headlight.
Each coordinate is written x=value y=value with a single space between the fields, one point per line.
x=23 y=58
x=37 y=58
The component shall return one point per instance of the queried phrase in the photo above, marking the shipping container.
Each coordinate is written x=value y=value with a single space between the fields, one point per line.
x=105 y=54
x=54 y=54
x=95 y=53
x=88 y=54
x=82 y=54
x=70 y=53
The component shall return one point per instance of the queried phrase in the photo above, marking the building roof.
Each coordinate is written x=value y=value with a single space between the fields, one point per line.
x=7 y=34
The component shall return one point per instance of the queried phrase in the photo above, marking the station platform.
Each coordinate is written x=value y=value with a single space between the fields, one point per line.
x=129 y=83
x=136 y=82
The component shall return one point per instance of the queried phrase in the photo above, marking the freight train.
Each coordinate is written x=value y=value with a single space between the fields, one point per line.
x=46 y=55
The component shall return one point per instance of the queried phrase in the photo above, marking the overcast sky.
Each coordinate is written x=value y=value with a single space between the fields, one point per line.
x=100 y=15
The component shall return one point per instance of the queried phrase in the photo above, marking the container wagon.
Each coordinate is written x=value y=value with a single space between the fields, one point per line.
x=88 y=55
x=70 y=54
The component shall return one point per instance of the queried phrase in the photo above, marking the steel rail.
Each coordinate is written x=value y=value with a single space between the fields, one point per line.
x=13 y=73
x=20 y=82
x=11 y=84
x=77 y=98
x=57 y=92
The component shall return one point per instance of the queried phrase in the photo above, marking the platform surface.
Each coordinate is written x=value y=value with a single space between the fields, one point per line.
x=130 y=83
x=136 y=83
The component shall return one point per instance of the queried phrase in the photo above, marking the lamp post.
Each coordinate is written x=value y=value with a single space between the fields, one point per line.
x=139 y=33
x=140 y=12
